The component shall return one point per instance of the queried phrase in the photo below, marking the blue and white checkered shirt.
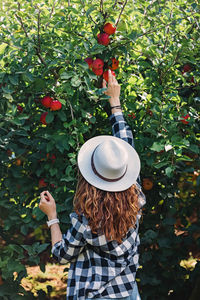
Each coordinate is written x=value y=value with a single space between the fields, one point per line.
x=100 y=268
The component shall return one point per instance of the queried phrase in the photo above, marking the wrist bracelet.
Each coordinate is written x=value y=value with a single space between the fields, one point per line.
x=53 y=221
x=117 y=106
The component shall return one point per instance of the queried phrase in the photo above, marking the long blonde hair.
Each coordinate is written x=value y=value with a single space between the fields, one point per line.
x=109 y=213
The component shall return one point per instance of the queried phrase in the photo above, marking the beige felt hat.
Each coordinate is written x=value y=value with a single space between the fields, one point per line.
x=109 y=163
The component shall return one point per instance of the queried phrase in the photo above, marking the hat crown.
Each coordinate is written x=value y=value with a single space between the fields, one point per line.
x=110 y=159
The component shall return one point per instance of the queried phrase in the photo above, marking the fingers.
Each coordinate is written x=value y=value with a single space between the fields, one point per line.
x=115 y=80
x=110 y=77
x=44 y=197
x=50 y=197
x=104 y=85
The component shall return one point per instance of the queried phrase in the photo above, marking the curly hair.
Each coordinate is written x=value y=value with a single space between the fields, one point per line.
x=109 y=213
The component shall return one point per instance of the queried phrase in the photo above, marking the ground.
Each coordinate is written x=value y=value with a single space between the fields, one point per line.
x=54 y=276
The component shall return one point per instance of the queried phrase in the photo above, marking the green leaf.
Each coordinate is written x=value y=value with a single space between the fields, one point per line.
x=194 y=148
x=53 y=172
x=42 y=247
x=164 y=243
x=25 y=141
x=67 y=75
x=3 y=48
x=13 y=79
x=49 y=117
x=62 y=116
x=90 y=10
x=38 y=213
x=149 y=236
x=91 y=74
x=157 y=147
x=169 y=171
x=7 y=89
x=65 y=144
x=75 y=81
x=8 y=96
x=83 y=64
x=161 y=164
x=146 y=256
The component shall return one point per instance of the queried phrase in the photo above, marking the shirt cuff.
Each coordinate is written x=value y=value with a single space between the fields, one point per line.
x=116 y=117
x=116 y=114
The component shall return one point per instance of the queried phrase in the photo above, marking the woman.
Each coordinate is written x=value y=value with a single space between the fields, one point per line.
x=102 y=243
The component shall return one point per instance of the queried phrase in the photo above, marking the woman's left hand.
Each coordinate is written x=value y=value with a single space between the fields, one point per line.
x=48 y=205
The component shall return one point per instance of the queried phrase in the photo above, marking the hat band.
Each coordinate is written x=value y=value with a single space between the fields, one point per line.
x=99 y=175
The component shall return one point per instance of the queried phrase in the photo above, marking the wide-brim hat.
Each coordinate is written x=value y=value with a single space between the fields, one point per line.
x=109 y=163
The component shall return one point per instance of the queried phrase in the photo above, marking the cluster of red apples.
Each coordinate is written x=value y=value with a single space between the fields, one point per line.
x=48 y=102
x=98 y=66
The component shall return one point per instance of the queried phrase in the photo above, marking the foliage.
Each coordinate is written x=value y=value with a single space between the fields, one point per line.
x=42 y=52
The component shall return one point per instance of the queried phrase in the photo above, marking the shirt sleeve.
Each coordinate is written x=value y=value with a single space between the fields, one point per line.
x=72 y=242
x=121 y=129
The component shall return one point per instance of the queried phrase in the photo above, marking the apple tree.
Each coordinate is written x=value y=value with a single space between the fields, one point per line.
x=53 y=57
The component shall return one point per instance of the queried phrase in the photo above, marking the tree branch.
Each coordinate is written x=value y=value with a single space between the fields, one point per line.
x=115 y=4
x=85 y=13
x=22 y=24
x=121 y=13
x=71 y=109
x=38 y=32
x=162 y=75
x=38 y=42
x=69 y=4
x=51 y=13
x=167 y=35
x=19 y=19
x=101 y=6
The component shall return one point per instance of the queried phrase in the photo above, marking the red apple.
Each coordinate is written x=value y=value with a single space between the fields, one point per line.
x=89 y=61
x=103 y=39
x=42 y=183
x=187 y=68
x=9 y=152
x=46 y=101
x=43 y=118
x=98 y=72
x=52 y=157
x=56 y=105
x=115 y=64
x=105 y=75
x=20 y=108
x=132 y=116
x=184 y=120
x=192 y=79
x=98 y=64
x=109 y=28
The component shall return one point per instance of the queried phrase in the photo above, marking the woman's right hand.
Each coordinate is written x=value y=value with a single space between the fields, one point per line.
x=48 y=205
x=113 y=89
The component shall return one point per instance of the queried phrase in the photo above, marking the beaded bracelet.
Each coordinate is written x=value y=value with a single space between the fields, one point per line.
x=51 y=222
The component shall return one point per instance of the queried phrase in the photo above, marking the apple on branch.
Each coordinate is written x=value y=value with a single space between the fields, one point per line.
x=56 y=105
x=103 y=39
x=46 y=101
x=109 y=28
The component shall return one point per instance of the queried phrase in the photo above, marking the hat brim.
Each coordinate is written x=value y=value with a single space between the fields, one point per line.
x=84 y=164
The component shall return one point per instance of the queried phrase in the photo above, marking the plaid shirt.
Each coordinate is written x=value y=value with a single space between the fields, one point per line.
x=100 y=268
